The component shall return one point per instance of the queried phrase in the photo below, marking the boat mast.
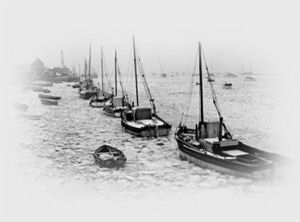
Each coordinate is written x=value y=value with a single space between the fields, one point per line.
x=116 y=72
x=102 y=69
x=85 y=69
x=200 y=87
x=135 y=73
x=90 y=64
x=79 y=71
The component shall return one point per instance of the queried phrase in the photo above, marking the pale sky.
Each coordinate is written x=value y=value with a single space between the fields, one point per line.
x=262 y=35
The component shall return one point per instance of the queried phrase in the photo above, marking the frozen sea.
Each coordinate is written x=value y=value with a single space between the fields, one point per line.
x=51 y=147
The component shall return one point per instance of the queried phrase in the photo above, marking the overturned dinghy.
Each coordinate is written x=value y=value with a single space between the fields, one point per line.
x=45 y=96
x=49 y=102
x=110 y=157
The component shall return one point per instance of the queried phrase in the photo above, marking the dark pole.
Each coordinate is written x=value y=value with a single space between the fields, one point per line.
x=200 y=86
x=116 y=77
x=90 y=64
x=102 y=86
x=135 y=73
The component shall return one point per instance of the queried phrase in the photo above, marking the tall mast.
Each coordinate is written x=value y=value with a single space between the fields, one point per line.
x=90 y=64
x=135 y=73
x=102 y=69
x=85 y=69
x=79 y=71
x=200 y=86
x=62 y=59
x=116 y=72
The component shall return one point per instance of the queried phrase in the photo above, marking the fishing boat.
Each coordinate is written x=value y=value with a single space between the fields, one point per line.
x=87 y=89
x=45 y=96
x=49 y=102
x=249 y=78
x=211 y=145
x=143 y=121
x=110 y=157
x=98 y=100
x=117 y=104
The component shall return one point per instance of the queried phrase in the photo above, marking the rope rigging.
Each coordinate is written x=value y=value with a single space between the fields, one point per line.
x=146 y=86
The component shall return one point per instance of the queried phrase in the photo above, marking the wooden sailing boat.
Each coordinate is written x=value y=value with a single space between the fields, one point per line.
x=98 y=100
x=115 y=105
x=143 y=121
x=210 y=145
x=87 y=89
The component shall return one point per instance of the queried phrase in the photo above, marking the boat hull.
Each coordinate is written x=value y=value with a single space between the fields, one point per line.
x=114 y=158
x=200 y=157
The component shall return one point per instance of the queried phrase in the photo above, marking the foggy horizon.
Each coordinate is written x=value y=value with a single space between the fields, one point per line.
x=235 y=36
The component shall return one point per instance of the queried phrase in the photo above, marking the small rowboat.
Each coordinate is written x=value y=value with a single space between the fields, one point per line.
x=44 y=96
x=49 y=102
x=110 y=157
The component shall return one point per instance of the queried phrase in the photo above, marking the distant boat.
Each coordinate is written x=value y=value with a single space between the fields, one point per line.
x=210 y=145
x=49 y=102
x=164 y=75
x=20 y=107
x=76 y=85
x=227 y=85
x=40 y=89
x=117 y=104
x=248 y=78
x=45 y=96
x=143 y=121
x=110 y=157
x=87 y=88
x=45 y=84
x=230 y=75
x=209 y=79
x=98 y=100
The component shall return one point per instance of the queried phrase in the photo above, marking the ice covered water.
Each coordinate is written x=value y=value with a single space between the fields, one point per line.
x=57 y=145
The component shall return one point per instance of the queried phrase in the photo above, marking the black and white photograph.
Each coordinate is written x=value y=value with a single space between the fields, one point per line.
x=150 y=110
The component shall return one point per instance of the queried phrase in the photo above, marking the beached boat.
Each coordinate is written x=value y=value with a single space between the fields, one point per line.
x=49 y=102
x=46 y=96
x=143 y=121
x=210 y=145
x=116 y=105
x=110 y=157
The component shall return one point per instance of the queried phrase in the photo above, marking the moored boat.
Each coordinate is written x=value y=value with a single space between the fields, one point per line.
x=45 y=96
x=117 y=104
x=227 y=85
x=110 y=157
x=49 y=102
x=211 y=145
x=143 y=121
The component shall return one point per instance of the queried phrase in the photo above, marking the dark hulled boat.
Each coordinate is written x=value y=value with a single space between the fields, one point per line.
x=143 y=121
x=210 y=145
x=110 y=157
x=49 y=102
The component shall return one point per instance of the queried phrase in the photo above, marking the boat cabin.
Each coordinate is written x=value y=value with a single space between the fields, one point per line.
x=139 y=113
x=117 y=102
